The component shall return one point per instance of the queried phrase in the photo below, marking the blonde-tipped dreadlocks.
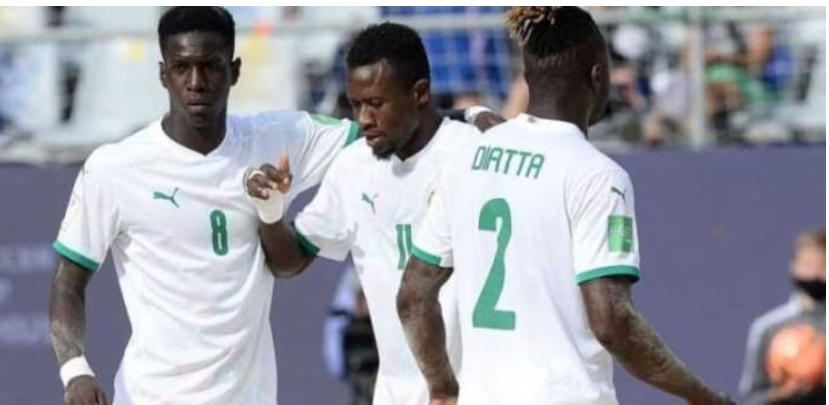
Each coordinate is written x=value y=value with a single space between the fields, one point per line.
x=548 y=33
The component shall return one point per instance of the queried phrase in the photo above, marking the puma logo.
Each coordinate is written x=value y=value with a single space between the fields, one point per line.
x=158 y=195
x=370 y=201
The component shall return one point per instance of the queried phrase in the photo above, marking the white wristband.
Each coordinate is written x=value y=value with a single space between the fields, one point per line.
x=470 y=113
x=75 y=367
x=270 y=210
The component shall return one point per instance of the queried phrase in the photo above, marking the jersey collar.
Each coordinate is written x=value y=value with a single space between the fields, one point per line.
x=170 y=144
x=554 y=125
x=412 y=160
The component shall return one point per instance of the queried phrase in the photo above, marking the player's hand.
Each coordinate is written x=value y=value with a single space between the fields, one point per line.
x=268 y=178
x=266 y=188
x=793 y=389
x=444 y=401
x=487 y=119
x=84 y=390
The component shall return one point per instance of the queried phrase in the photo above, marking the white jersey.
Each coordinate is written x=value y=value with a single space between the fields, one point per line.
x=371 y=207
x=524 y=215
x=185 y=244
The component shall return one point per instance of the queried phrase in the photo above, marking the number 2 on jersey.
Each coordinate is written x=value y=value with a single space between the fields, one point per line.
x=218 y=222
x=485 y=315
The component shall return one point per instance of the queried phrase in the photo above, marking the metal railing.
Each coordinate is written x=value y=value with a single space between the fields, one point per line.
x=694 y=18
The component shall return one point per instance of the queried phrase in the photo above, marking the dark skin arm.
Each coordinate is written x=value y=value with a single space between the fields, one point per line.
x=483 y=121
x=283 y=254
x=67 y=322
x=626 y=334
x=487 y=120
x=420 y=313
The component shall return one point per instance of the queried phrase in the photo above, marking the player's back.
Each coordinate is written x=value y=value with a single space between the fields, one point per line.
x=525 y=334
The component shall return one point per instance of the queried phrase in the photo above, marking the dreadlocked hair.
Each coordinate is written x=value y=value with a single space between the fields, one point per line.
x=551 y=36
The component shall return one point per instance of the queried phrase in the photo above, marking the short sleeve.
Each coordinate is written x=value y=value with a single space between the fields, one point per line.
x=322 y=227
x=433 y=241
x=603 y=225
x=90 y=223
x=324 y=138
x=311 y=142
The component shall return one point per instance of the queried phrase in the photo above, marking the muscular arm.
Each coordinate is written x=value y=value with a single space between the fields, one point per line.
x=631 y=339
x=67 y=322
x=67 y=310
x=420 y=313
x=283 y=253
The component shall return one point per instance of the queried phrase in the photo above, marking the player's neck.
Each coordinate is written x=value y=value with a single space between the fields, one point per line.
x=423 y=134
x=559 y=112
x=202 y=139
x=563 y=104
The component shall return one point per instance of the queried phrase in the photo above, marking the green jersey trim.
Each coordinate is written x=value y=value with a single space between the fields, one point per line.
x=75 y=257
x=305 y=244
x=425 y=256
x=608 y=271
x=353 y=134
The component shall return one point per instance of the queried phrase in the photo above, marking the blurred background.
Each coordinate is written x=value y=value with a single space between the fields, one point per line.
x=718 y=113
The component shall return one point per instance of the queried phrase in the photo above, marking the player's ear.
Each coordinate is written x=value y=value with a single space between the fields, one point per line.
x=235 y=70
x=595 y=74
x=599 y=78
x=162 y=73
x=422 y=92
x=600 y=90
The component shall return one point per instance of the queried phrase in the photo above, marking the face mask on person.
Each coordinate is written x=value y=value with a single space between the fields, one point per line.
x=814 y=288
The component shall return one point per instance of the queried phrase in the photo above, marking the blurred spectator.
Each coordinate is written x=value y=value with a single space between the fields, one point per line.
x=742 y=69
x=807 y=304
x=469 y=67
x=746 y=68
x=117 y=87
x=803 y=102
x=336 y=101
x=348 y=340
x=320 y=51
x=29 y=81
x=764 y=73
x=5 y=64
x=272 y=78
x=631 y=52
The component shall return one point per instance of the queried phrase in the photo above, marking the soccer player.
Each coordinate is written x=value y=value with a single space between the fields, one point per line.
x=167 y=202
x=376 y=192
x=540 y=227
